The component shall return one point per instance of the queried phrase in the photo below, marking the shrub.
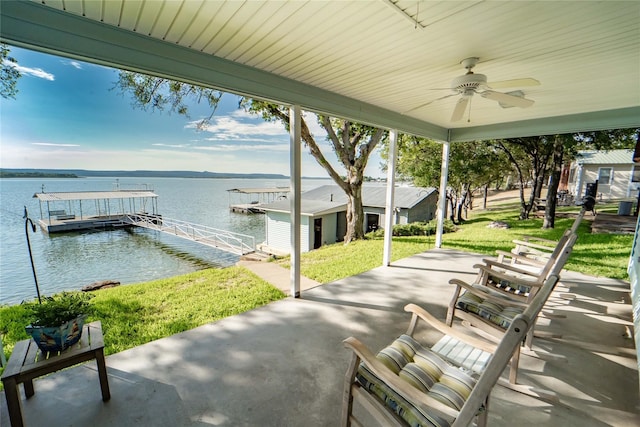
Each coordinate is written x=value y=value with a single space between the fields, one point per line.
x=423 y=228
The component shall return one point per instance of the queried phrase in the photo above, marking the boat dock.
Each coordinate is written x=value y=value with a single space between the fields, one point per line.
x=251 y=199
x=106 y=210
x=87 y=210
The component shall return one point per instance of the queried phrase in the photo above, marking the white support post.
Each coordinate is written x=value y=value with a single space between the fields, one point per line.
x=389 y=211
x=295 y=206
x=442 y=197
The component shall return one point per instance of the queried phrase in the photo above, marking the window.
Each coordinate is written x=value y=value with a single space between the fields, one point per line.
x=572 y=176
x=605 y=176
x=635 y=175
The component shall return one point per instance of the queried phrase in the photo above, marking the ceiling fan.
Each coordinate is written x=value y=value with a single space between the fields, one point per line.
x=470 y=83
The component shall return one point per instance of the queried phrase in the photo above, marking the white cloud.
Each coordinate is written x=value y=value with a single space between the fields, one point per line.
x=35 y=72
x=245 y=147
x=49 y=144
x=75 y=64
x=230 y=128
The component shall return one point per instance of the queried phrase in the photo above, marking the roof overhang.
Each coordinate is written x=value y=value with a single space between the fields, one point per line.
x=49 y=28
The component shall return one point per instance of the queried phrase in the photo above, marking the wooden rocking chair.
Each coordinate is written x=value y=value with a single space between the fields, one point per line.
x=407 y=384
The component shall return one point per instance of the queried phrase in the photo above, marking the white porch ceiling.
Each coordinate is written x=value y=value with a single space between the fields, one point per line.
x=367 y=60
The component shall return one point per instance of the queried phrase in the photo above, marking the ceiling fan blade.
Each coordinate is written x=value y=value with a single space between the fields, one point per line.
x=460 y=108
x=514 y=83
x=509 y=100
x=430 y=102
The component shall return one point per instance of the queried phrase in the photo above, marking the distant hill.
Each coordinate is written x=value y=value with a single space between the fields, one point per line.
x=75 y=173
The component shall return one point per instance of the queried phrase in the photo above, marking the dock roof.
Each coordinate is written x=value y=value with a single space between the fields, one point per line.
x=257 y=190
x=94 y=195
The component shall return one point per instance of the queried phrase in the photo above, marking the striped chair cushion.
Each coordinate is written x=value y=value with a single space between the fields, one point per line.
x=501 y=315
x=508 y=286
x=424 y=370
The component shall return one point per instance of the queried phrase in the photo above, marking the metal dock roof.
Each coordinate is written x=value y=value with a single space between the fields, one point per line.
x=94 y=195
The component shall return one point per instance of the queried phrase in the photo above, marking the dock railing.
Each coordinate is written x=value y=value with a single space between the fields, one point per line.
x=228 y=241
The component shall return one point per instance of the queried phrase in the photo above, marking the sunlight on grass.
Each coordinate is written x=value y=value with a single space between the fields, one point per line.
x=136 y=314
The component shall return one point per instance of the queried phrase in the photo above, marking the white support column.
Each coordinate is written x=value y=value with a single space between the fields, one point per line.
x=579 y=182
x=295 y=206
x=442 y=197
x=389 y=211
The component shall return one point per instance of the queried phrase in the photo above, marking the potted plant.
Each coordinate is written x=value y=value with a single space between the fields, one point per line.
x=56 y=322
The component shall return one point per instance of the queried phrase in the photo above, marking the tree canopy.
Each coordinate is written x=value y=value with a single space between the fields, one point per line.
x=9 y=73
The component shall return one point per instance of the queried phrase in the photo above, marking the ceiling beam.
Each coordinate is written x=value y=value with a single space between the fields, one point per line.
x=599 y=120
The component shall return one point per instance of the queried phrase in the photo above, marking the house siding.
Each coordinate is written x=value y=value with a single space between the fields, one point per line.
x=621 y=186
x=279 y=232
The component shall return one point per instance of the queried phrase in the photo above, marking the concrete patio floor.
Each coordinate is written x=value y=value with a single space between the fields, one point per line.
x=283 y=364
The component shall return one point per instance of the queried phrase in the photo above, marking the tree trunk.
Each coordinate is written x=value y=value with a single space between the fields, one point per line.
x=486 y=194
x=355 y=211
x=552 y=191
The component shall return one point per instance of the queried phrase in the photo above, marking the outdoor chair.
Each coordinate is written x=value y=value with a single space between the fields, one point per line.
x=490 y=313
x=536 y=251
x=407 y=384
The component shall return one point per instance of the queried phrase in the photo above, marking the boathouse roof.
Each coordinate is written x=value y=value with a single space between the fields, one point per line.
x=93 y=195
x=372 y=195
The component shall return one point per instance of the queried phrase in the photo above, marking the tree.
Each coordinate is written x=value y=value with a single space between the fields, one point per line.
x=352 y=143
x=9 y=73
x=472 y=165
x=530 y=158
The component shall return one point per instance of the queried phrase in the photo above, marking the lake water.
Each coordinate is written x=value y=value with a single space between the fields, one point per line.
x=71 y=260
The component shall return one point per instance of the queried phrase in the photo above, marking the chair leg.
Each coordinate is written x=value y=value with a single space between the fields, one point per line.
x=347 y=397
x=481 y=419
x=452 y=306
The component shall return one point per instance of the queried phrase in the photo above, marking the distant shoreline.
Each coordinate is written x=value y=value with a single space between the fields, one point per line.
x=83 y=173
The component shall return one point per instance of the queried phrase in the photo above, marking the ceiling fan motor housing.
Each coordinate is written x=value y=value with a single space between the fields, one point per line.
x=468 y=81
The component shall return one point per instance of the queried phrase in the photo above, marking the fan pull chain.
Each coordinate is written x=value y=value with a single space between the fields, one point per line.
x=469 y=115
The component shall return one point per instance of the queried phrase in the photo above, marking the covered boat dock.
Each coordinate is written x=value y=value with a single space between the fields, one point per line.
x=252 y=198
x=85 y=210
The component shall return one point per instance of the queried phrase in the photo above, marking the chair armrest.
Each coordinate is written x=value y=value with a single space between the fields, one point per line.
x=489 y=265
x=535 y=281
x=508 y=273
x=415 y=396
x=521 y=258
x=528 y=238
x=422 y=314
x=534 y=245
x=502 y=300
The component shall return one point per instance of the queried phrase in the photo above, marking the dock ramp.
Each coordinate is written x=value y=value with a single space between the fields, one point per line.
x=228 y=241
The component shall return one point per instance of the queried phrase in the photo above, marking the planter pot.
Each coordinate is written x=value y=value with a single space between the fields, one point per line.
x=57 y=338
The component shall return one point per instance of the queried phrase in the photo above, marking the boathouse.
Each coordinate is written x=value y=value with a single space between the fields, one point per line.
x=323 y=214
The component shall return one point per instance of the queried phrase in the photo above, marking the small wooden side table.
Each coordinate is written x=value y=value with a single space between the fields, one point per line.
x=28 y=362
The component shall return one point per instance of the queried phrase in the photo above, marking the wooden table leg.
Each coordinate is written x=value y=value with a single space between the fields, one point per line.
x=13 y=402
x=102 y=374
x=28 y=388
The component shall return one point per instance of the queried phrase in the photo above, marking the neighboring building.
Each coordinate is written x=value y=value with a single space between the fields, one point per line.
x=323 y=214
x=617 y=176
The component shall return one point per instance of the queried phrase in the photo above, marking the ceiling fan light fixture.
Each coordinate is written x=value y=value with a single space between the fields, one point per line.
x=468 y=81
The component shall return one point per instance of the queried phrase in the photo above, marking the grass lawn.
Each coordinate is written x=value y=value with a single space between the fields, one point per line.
x=136 y=314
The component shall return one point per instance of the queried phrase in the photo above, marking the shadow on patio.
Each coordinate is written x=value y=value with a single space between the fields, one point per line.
x=283 y=364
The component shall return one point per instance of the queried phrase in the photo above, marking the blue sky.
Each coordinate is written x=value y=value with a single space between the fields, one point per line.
x=66 y=116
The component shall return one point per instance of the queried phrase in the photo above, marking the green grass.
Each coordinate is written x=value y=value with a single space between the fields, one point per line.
x=136 y=314
x=603 y=255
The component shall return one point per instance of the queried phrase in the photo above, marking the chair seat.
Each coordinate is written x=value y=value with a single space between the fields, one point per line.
x=500 y=315
x=462 y=354
x=424 y=370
